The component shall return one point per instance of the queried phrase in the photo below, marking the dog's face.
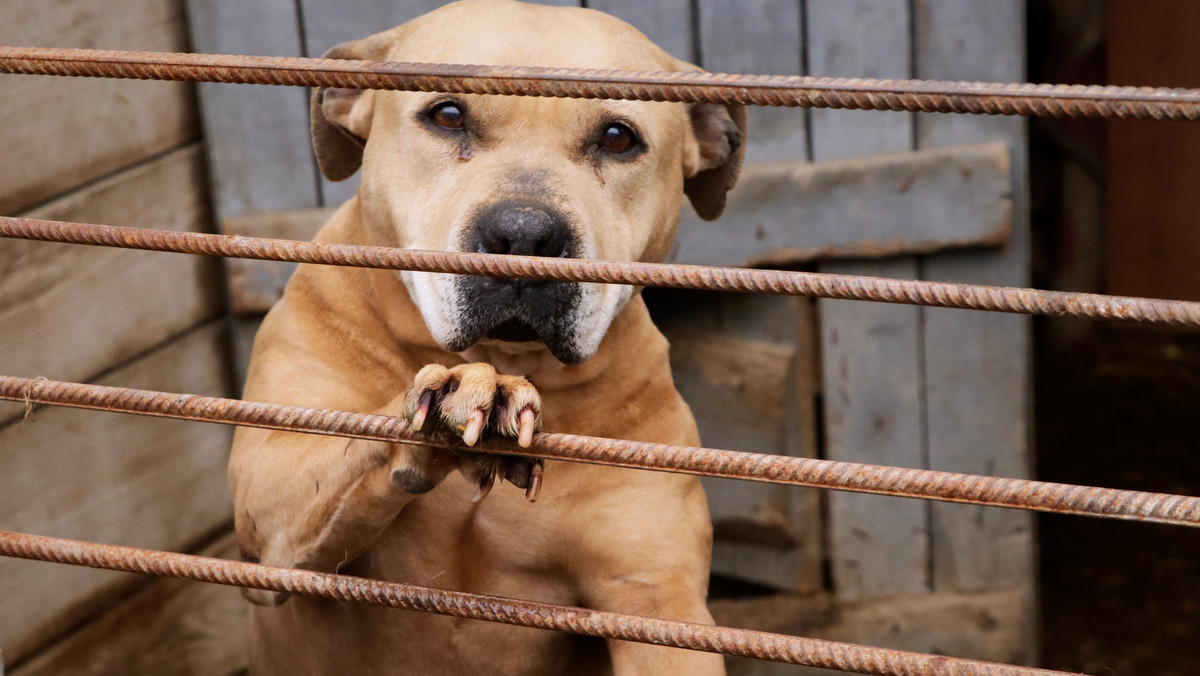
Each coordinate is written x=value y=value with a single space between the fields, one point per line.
x=521 y=175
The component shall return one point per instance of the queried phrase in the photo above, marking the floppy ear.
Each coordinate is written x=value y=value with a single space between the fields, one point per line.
x=720 y=131
x=714 y=162
x=340 y=119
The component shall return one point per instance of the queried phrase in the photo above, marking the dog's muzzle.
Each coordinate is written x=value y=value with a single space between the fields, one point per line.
x=519 y=310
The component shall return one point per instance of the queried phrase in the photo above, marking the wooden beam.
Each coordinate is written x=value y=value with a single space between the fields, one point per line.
x=868 y=207
x=69 y=311
x=60 y=132
x=874 y=406
x=110 y=478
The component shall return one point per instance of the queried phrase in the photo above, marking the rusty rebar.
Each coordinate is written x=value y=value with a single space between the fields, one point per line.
x=845 y=476
x=799 y=91
x=583 y=621
x=793 y=283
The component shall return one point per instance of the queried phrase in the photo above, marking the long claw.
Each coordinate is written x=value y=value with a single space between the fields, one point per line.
x=423 y=405
x=535 y=482
x=528 y=421
x=486 y=482
x=473 y=429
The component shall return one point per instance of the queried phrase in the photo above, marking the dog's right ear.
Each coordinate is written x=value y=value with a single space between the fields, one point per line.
x=341 y=118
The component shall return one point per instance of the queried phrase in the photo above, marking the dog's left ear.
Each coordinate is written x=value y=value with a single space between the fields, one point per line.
x=720 y=131
x=713 y=162
x=340 y=119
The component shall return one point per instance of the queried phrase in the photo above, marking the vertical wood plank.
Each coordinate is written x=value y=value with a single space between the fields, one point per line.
x=774 y=26
x=667 y=22
x=871 y=353
x=977 y=363
x=787 y=424
x=257 y=136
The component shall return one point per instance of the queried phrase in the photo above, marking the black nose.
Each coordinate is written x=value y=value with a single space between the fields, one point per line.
x=521 y=228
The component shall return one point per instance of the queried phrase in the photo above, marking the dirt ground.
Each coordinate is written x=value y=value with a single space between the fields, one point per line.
x=1120 y=599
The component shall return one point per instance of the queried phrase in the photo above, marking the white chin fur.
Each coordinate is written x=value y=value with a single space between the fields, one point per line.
x=598 y=305
x=435 y=298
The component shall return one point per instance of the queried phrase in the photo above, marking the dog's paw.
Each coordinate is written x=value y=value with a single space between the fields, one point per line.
x=472 y=401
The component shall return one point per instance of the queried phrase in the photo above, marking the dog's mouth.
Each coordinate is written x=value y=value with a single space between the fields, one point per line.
x=519 y=312
x=513 y=331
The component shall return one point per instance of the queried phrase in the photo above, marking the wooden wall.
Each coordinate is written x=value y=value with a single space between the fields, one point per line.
x=124 y=153
x=893 y=194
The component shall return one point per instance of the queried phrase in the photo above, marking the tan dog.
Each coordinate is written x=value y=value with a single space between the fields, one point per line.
x=540 y=176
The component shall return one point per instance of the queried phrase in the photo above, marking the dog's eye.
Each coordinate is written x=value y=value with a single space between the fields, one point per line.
x=448 y=115
x=617 y=138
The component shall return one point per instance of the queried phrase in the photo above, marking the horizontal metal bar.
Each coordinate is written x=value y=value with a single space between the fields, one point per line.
x=800 y=91
x=583 y=621
x=849 y=287
x=846 y=476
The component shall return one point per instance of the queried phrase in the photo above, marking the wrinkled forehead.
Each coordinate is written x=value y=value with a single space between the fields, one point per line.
x=516 y=34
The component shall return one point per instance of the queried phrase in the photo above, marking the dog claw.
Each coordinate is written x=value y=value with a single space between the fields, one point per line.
x=528 y=421
x=474 y=428
x=418 y=419
x=486 y=482
x=535 y=482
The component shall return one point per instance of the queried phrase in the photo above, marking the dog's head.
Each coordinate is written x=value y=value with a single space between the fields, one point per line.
x=522 y=175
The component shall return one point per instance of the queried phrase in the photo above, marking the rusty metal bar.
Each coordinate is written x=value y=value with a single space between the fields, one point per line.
x=911 y=292
x=583 y=621
x=847 y=476
x=798 y=91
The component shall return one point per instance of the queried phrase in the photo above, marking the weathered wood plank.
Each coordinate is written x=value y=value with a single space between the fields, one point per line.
x=121 y=479
x=258 y=141
x=743 y=364
x=68 y=311
x=977 y=364
x=172 y=627
x=874 y=404
x=989 y=626
x=60 y=132
x=726 y=28
x=869 y=207
x=667 y=22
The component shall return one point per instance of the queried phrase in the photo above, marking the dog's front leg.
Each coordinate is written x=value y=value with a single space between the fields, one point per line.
x=648 y=553
x=318 y=502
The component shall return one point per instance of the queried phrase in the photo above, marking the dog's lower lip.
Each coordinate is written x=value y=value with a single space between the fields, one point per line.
x=513 y=330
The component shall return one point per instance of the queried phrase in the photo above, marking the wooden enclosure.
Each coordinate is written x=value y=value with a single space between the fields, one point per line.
x=938 y=197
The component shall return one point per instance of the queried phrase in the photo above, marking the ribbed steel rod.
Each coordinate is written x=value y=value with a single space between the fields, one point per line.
x=847 y=476
x=601 y=624
x=762 y=90
x=911 y=292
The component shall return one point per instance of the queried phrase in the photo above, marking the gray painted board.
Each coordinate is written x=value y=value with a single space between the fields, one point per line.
x=871 y=352
x=726 y=28
x=257 y=136
x=766 y=534
x=667 y=22
x=869 y=207
x=977 y=364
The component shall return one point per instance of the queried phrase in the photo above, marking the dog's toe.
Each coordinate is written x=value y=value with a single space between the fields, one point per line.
x=473 y=401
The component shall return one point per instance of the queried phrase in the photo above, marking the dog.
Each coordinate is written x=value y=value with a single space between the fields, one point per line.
x=476 y=357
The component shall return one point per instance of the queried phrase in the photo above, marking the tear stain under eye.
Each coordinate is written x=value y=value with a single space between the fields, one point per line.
x=465 y=150
x=598 y=167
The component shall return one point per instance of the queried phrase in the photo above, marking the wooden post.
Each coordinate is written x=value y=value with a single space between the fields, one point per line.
x=871 y=354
